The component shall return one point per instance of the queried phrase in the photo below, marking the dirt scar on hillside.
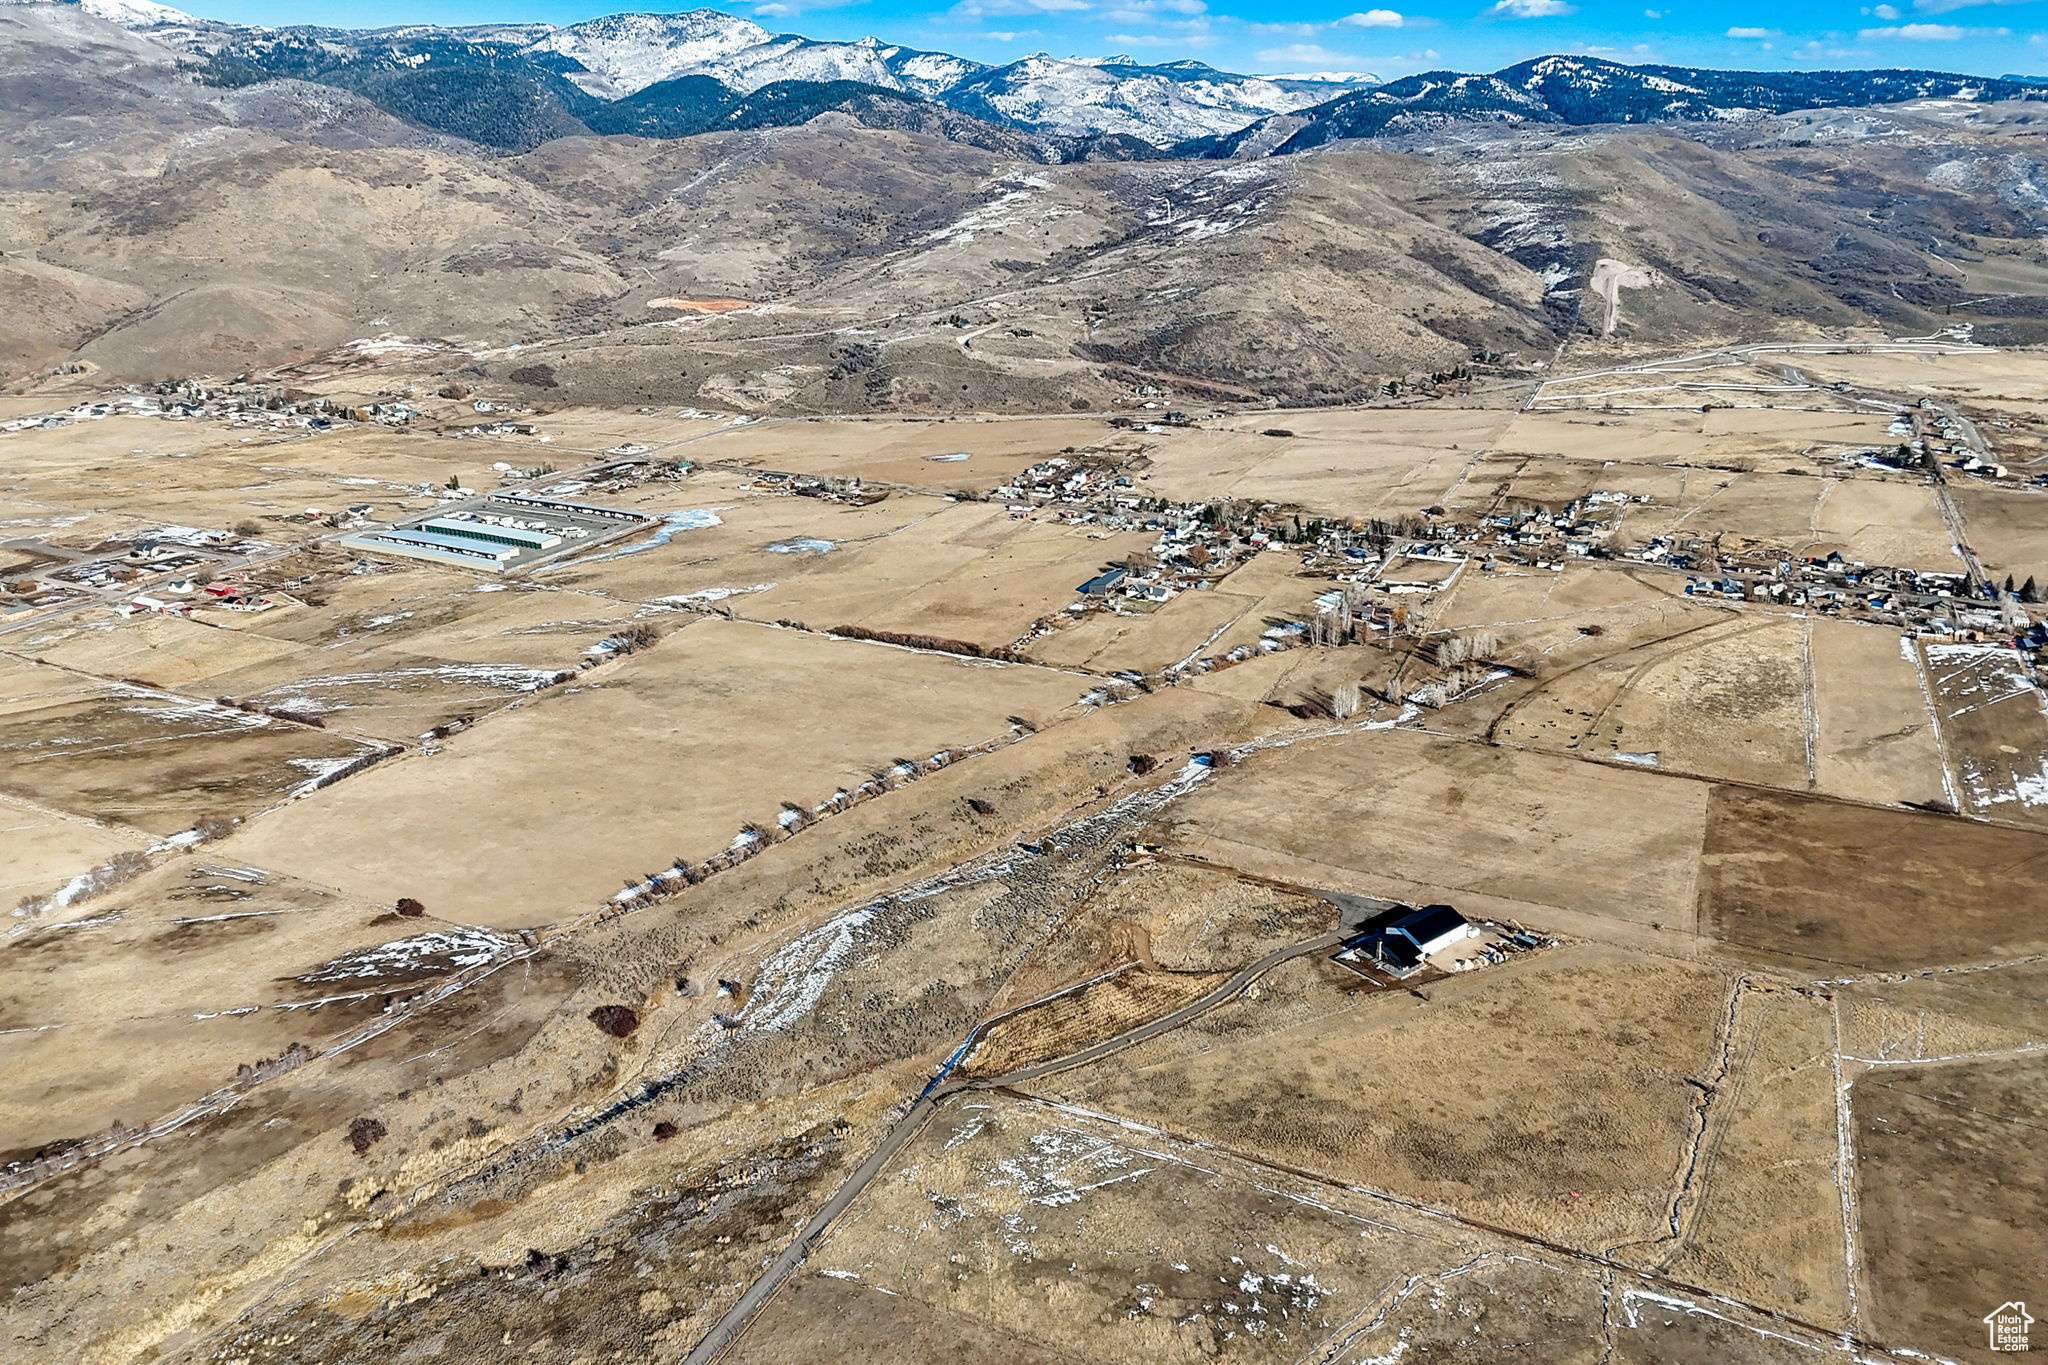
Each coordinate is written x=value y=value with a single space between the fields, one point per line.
x=1610 y=277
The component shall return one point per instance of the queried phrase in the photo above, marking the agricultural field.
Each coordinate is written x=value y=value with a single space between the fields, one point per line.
x=2003 y=380
x=1417 y=818
x=2005 y=530
x=1795 y=875
x=1328 y=464
x=955 y=453
x=157 y=761
x=1939 y=1225
x=669 y=755
x=1994 y=728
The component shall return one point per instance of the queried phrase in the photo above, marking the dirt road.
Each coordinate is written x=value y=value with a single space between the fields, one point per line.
x=727 y=1329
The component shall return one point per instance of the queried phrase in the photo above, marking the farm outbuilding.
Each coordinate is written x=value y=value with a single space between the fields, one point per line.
x=496 y=533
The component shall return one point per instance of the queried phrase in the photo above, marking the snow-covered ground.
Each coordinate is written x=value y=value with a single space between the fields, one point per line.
x=437 y=950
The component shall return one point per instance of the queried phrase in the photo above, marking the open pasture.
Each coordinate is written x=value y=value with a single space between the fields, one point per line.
x=1412 y=817
x=2008 y=530
x=1994 y=728
x=1573 y=1129
x=2005 y=379
x=1865 y=887
x=911 y=452
x=1948 y=1167
x=146 y=758
x=993 y=1224
x=668 y=753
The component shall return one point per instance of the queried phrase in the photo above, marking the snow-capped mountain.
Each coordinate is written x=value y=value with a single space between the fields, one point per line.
x=139 y=14
x=618 y=55
x=1331 y=77
x=1587 y=90
x=621 y=53
x=1074 y=96
x=1166 y=103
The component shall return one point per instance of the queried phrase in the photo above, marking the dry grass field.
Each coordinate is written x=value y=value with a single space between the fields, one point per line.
x=1412 y=817
x=664 y=755
x=1772 y=1144
x=1870 y=741
x=2005 y=379
x=1721 y=697
x=1949 y=1172
x=198 y=474
x=1573 y=1129
x=154 y=760
x=1148 y=640
x=1994 y=728
x=1690 y=686
x=1870 y=520
x=43 y=849
x=1864 y=887
x=1102 y=1009
x=992 y=1232
x=1353 y=464
x=906 y=452
x=2005 y=531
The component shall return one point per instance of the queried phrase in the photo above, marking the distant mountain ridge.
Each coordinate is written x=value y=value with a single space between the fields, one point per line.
x=1588 y=90
x=616 y=56
x=515 y=85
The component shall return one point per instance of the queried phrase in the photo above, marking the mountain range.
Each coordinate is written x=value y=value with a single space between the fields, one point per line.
x=516 y=85
x=186 y=198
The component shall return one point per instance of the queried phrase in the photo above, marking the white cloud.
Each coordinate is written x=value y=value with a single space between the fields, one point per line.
x=1944 y=6
x=1752 y=33
x=1929 y=33
x=1884 y=12
x=1144 y=11
x=1531 y=9
x=1305 y=55
x=982 y=9
x=1373 y=18
x=1653 y=14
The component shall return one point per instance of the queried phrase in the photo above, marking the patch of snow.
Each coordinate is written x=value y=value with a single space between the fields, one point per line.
x=437 y=950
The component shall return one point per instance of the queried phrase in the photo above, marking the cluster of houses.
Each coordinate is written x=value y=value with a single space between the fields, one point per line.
x=184 y=553
x=235 y=404
x=180 y=596
x=1918 y=601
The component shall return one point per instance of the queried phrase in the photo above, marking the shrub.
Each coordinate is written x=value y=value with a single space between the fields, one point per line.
x=211 y=827
x=365 y=1133
x=409 y=907
x=616 y=1020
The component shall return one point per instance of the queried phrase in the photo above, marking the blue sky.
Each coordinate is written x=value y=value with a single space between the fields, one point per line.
x=1988 y=37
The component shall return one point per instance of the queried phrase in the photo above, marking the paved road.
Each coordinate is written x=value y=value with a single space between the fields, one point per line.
x=727 y=1329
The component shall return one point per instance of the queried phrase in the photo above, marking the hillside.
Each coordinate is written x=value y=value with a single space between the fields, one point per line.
x=899 y=255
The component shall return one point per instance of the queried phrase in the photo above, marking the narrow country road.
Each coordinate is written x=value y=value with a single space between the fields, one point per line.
x=735 y=1319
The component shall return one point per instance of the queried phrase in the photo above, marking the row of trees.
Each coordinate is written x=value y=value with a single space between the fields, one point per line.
x=939 y=644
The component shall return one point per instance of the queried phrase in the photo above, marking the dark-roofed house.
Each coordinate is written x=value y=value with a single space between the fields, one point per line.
x=1399 y=945
x=1100 y=585
x=1432 y=929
